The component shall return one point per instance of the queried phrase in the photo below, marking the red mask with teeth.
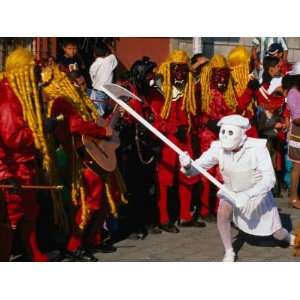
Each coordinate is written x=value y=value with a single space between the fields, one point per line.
x=220 y=78
x=179 y=75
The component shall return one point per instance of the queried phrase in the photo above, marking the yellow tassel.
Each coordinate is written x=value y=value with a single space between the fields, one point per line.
x=111 y=202
x=123 y=199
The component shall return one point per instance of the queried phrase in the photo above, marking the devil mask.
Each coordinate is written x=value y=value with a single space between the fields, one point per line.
x=220 y=78
x=179 y=75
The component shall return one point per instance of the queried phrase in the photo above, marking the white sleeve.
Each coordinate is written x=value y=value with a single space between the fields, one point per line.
x=207 y=160
x=112 y=61
x=265 y=167
x=93 y=71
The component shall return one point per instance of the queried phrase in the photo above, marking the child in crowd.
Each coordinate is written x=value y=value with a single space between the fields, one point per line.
x=101 y=72
x=70 y=61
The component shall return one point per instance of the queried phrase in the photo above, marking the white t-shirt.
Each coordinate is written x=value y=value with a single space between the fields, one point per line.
x=265 y=42
x=101 y=71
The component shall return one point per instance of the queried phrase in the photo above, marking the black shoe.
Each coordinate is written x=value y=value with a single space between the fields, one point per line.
x=192 y=223
x=103 y=248
x=169 y=228
x=155 y=230
x=80 y=255
x=208 y=219
x=54 y=256
x=134 y=236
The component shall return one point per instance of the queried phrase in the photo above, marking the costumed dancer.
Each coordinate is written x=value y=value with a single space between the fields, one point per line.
x=93 y=195
x=247 y=171
x=22 y=138
x=217 y=98
x=177 y=123
x=139 y=150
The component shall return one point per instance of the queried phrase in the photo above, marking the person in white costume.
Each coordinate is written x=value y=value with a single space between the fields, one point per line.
x=247 y=171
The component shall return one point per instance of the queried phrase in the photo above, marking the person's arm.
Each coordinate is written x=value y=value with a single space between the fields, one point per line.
x=285 y=55
x=112 y=62
x=264 y=123
x=294 y=105
x=255 y=44
x=200 y=61
x=14 y=132
x=207 y=160
x=76 y=124
x=285 y=48
x=265 y=169
x=245 y=98
x=93 y=71
x=297 y=122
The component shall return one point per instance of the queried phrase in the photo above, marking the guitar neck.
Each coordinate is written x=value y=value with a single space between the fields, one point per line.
x=114 y=119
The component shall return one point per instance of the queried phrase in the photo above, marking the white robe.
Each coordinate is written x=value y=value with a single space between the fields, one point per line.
x=261 y=216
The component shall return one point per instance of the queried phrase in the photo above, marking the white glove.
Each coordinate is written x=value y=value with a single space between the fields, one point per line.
x=241 y=201
x=223 y=195
x=185 y=160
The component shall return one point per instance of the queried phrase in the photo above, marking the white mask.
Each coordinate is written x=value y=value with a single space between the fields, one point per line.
x=231 y=137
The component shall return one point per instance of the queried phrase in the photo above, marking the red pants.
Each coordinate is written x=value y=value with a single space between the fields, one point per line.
x=24 y=204
x=167 y=168
x=185 y=196
x=22 y=210
x=209 y=201
x=98 y=208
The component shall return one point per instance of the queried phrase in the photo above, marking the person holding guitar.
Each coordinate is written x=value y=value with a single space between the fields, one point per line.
x=91 y=192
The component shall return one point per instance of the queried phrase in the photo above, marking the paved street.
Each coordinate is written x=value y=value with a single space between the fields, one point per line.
x=203 y=244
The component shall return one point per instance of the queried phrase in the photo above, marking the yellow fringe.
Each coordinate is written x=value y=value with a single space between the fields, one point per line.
x=110 y=200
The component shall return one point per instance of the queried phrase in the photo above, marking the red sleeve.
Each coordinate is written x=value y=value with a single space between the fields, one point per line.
x=159 y=123
x=14 y=132
x=286 y=112
x=75 y=123
x=137 y=107
x=272 y=103
x=244 y=100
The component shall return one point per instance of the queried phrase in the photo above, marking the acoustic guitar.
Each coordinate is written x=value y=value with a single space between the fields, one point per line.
x=102 y=152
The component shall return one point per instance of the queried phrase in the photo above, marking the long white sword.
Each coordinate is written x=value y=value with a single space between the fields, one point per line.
x=117 y=92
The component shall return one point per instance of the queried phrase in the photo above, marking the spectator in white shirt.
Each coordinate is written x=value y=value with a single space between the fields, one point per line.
x=101 y=72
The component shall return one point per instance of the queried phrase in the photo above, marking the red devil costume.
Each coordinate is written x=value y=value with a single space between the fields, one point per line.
x=94 y=209
x=177 y=122
x=18 y=156
x=216 y=96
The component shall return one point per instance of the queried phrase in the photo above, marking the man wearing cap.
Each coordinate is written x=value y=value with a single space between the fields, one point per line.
x=276 y=50
x=260 y=48
x=246 y=167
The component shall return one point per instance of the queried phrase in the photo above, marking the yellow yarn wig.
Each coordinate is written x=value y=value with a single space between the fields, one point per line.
x=20 y=73
x=189 y=101
x=19 y=70
x=238 y=62
x=217 y=61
